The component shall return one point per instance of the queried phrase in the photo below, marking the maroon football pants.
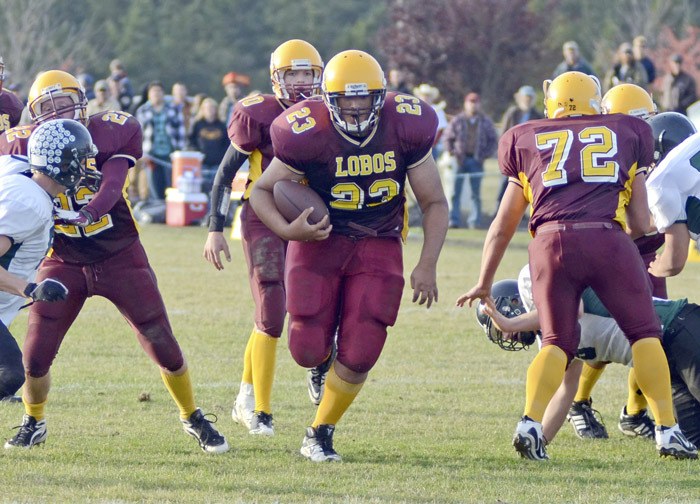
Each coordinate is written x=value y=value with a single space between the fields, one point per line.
x=564 y=262
x=354 y=286
x=128 y=281
x=264 y=253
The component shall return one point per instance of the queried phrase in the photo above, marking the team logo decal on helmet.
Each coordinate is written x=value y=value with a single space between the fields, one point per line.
x=60 y=149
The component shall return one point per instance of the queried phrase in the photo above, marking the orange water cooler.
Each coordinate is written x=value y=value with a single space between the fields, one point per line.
x=186 y=161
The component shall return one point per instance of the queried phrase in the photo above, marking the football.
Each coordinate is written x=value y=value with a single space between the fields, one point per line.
x=292 y=198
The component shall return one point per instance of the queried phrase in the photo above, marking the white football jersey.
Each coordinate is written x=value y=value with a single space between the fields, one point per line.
x=673 y=188
x=602 y=340
x=26 y=217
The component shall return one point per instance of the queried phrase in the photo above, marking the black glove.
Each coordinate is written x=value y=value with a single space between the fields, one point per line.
x=46 y=290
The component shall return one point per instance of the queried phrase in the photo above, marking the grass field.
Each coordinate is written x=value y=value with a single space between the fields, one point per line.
x=433 y=423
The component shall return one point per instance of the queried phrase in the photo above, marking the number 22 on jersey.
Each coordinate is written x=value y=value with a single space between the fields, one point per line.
x=596 y=157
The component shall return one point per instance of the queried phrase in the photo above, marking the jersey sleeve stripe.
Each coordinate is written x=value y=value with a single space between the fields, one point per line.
x=293 y=170
x=422 y=160
x=240 y=149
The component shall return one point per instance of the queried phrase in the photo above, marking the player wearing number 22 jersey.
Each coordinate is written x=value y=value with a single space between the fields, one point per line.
x=97 y=252
x=356 y=148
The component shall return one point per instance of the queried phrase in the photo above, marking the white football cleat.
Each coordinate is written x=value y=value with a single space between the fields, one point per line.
x=671 y=442
x=244 y=406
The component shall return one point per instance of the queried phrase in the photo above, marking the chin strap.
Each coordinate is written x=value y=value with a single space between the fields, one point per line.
x=220 y=201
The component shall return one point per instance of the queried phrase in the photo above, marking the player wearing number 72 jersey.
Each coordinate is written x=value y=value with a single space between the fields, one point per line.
x=579 y=170
x=97 y=252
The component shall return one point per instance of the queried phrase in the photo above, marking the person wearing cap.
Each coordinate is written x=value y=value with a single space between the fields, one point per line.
x=679 y=90
x=122 y=84
x=626 y=69
x=470 y=137
x=523 y=110
x=103 y=101
x=233 y=84
x=430 y=95
x=639 y=47
x=573 y=61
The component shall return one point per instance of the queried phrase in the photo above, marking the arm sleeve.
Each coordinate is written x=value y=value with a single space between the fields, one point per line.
x=221 y=190
x=229 y=166
x=113 y=177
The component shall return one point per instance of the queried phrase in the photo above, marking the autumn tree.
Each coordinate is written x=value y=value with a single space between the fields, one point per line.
x=468 y=45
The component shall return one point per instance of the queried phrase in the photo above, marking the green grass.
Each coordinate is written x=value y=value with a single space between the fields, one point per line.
x=433 y=423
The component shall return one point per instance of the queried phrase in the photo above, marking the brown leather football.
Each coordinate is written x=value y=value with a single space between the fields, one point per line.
x=292 y=198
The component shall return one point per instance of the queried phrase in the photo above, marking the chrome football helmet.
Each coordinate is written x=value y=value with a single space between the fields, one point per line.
x=508 y=303
x=61 y=150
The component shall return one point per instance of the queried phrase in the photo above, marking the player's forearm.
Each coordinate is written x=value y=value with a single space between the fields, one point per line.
x=230 y=164
x=494 y=248
x=12 y=283
x=114 y=174
x=667 y=264
x=263 y=203
x=435 y=223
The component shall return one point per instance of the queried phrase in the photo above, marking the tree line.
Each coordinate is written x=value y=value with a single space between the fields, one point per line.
x=492 y=46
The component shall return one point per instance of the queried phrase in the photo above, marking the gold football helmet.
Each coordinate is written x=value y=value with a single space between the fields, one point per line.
x=628 y=99
x=354 y=73
x=295 y=54
x=53 y=84
x=572 y=93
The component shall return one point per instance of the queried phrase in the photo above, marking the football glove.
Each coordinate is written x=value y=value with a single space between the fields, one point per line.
x=46 y=290
x=81 y=218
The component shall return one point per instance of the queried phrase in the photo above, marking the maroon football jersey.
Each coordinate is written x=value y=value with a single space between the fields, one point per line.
x=116 y=135
x=14 y=140
x=362 y=180
x=249 y=131
x=577 y=168
x=10 y=110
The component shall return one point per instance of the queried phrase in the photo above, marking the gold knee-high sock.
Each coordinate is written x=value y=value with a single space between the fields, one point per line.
x=34 y=410
x=180 y=388
x=654 y=378
x=248 y=360
x=263 y=357
x=589 y=377
x=543 y=379
x=636 y=401
x=337 y=398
